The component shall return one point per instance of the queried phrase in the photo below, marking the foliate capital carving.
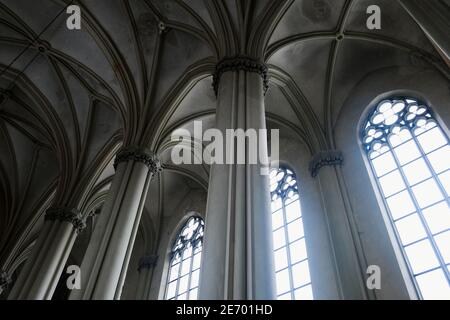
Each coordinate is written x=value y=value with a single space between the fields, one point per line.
x=148 y=262
x=238 y=63
x=139 y=155
x=325 y=158
x=72 y=216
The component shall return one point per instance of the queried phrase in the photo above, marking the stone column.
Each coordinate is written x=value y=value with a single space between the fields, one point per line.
x=350 y=264
x=146 y=266
x=41 y=273
x=237 y=258
x=433 y=19
x=105 y=263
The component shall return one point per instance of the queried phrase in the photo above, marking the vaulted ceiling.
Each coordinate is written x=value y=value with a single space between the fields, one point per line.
x=140 y=69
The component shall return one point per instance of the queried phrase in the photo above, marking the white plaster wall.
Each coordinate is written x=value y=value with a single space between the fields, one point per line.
x=371 y=218
x=193 y=204
x=296 y=156
x=325 y=283
x=376 y=234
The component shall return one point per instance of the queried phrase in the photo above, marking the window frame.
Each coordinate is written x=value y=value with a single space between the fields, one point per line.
x=283 y=195
x=173 y=252
x=362 y=129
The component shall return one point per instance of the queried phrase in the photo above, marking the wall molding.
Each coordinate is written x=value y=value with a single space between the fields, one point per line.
x=325 y=158
x=148 y=262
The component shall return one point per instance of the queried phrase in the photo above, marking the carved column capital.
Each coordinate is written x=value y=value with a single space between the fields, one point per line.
x=147 y=262
x=325 y=158
x=72 y=216
x=238 y=63
x=139 y=155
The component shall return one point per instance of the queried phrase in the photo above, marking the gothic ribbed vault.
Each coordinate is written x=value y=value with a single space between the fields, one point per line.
x=140 y=69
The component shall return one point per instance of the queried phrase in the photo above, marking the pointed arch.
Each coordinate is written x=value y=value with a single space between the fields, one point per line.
x=409 y=155
x=185 y=260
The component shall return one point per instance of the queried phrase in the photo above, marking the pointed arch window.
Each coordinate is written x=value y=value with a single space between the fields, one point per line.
x=185 y=259
x=293 y=279
x=409 y=154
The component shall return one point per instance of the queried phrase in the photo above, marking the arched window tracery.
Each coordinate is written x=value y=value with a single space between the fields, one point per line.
x=409 y=154
x=293 y=279
x=185 y=261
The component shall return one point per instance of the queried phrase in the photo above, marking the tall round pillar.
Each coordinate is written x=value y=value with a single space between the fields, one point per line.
x=40 y=275
x=237 y=258
x=350 y=262
x=105 y=263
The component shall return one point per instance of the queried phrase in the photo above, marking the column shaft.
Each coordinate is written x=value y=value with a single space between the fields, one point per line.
x=238 y=257
x=349 y=260
x=41 y=273
x=105 y=264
